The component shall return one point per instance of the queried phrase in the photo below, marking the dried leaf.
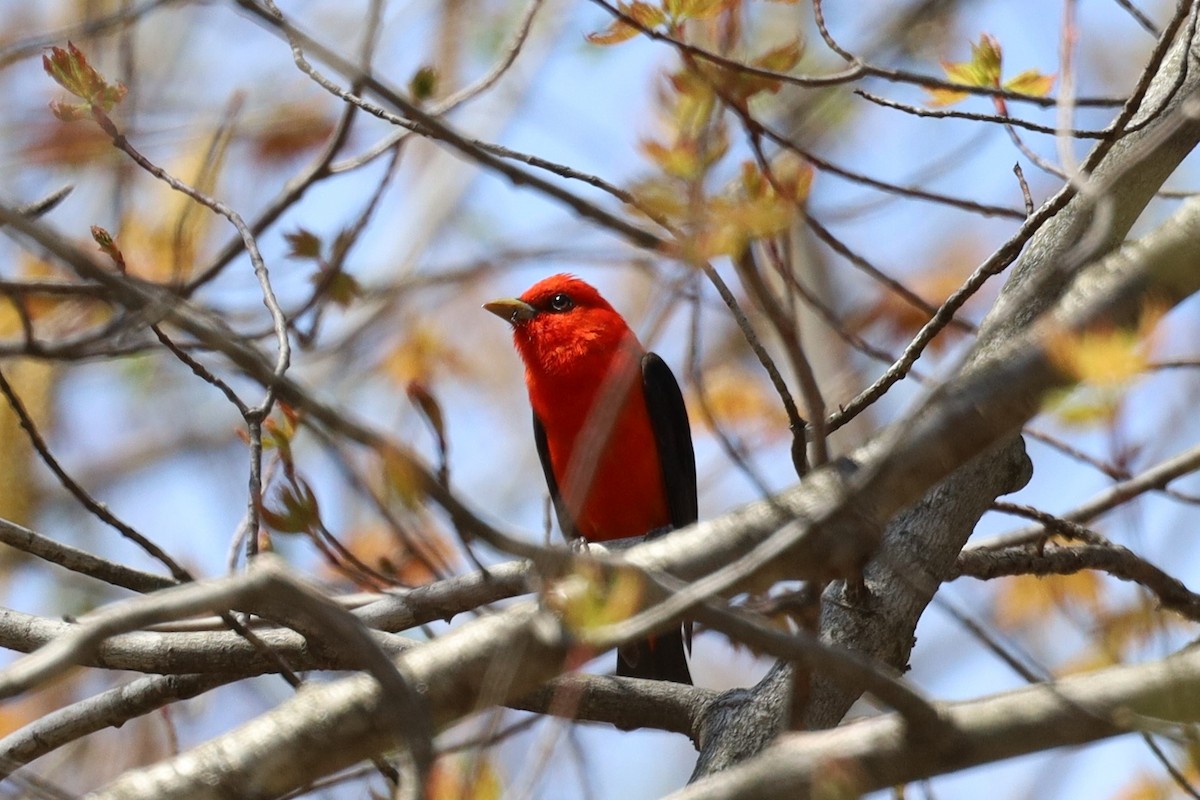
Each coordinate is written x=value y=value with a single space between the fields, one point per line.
x=421 y=397
x=738 y=398
x=67 y=145
x=163 y=238
x=422 y=355
x=292 y=508
x=765 y=207
x=303 y=245
x=659 y=198
x=619 y=31
x=645 y=14
x=417 y=559
x=292 y=129
x=901 y=319
x=341 y=288
x=53 y=315
x=1116 y=635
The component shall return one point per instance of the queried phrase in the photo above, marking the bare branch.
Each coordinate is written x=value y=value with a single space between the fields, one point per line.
x=1113 y=559
x=879 y=754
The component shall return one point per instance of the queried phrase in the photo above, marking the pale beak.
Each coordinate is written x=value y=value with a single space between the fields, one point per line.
x=511 y=310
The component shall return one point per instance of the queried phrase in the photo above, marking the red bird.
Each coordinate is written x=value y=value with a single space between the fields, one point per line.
x=611 y=431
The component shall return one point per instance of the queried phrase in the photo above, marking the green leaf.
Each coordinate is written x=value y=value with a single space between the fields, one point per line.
x=983 y=70
x=1030 y=82
x=986 y=57
x=423 y=83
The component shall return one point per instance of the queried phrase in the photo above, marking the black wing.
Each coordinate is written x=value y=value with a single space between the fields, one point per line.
x=565 y=523
x=662 y=657
x=673 y=435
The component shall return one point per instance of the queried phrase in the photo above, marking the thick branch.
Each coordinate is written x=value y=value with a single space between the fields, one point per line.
x=876 y=754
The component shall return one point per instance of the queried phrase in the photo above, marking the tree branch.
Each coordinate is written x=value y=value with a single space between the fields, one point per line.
x=876 y=753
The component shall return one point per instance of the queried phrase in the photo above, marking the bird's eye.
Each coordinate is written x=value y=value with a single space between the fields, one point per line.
x=561 y=302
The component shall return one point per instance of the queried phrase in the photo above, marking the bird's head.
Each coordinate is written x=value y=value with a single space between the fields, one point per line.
x=560 y=321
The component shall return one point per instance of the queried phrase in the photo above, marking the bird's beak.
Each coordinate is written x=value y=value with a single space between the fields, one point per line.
x=511 y=310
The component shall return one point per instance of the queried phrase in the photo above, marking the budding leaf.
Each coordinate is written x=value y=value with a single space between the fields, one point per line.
x=423 y=84
x=983 y=71
x=108 y=246
x=70 y=69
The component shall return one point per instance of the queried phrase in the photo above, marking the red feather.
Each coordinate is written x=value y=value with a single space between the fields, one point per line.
x=611 y=429
x=583 y=373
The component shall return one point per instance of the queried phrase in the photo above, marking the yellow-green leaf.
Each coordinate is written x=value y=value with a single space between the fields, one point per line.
x=1108 y=357
x=646 y=15
x=982 y=70
x=782 y=58
x=680 y=160
x=1085 y=408
x=939 y=98
x=660 y=198
x=619 y=31
x=590 y=598
x=1028 y=600
x=986 y=57
x=1030 y=82
x=695 y=9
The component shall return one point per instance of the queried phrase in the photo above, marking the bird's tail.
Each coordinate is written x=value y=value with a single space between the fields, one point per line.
x=660 y=658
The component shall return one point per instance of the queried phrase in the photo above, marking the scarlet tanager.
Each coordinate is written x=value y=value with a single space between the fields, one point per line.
x=611 y=430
